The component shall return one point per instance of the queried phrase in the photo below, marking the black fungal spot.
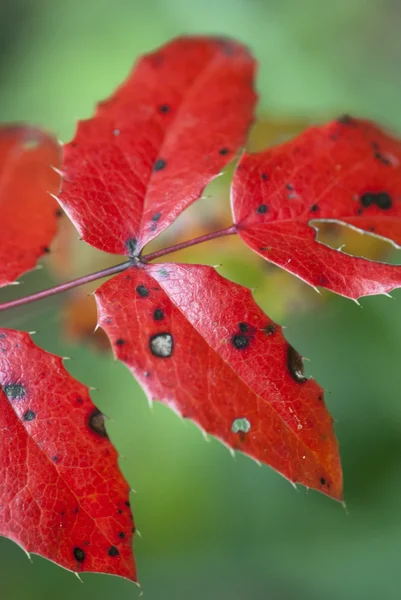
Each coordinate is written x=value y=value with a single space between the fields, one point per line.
x=164 y=109
x=142 y=291
x=381 y=199
x=147 y=373
x=96 y=422
x=55 y=459
x=289 y=187
x=46 y=249
x=113 y=551
x=79 y=401
x=372 y=229
x=14 y=391
x=121 y=535
x=59 y=213
x=2 y=336
x=314 y=208
x=243 y=327
x=158 y=315
x=159 y=164
x=156 y=216
x=382 y=158
x=345 y=120
x=264 y=176
x=161 y=345
x=262 y=209
x=79 y=554
x=131 y=246
x=240 y=341
x=29 y=415
x=270 y=329
x=320 y=397
x=120 y=342
x=223 y=151
x=127 y=503
x=322 y=481
x=120 y=512
x=295 y=365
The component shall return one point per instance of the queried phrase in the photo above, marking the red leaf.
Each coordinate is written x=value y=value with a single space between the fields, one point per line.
x=201 y=345
x=157 y=142
x=347 y=171
x=61 y=493
x=28 y=213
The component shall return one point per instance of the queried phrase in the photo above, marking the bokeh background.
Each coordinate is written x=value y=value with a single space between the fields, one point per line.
x=213 y=527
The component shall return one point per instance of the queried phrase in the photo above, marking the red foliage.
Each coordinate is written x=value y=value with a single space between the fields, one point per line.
x=61 y=493
x=27 y=211
x=347 y=171
x=201 y=345
x=157 y=142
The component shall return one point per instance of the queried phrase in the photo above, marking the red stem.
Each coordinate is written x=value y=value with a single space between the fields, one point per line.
x=199 y=240
x=64 y=287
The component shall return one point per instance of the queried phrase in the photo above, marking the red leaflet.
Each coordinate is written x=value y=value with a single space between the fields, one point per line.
x=61 y=493
x=201 y=345
x=157 y=142
x=347 y=171
x=27 y=211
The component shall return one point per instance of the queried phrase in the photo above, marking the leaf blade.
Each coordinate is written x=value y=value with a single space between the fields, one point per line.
x=347 y=171
x=188 y=103
x=28 y=212
x=61 y=493
x=199 y=344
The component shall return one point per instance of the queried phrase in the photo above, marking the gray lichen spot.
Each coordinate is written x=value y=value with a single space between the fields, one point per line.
x=241 y=425
x=14 y=391
x=161 y=345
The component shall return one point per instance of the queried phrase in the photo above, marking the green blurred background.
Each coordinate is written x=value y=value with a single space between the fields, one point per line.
x=213 y=527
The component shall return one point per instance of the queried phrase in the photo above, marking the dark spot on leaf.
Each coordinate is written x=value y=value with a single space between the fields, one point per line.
x=240 y=341
x=223 y=151
x=320 y=397
x=59 y=213
x=243 y=327
x=79 y=554
x=345 y=120
x=121 y=535
x=163 y=272
x=381 y=199
x=46 y=249
x=322 y=280
x=156 y=216
x=79 y=400
x=159 y=164
x=142 y=291
x=158 y=315
x=164 y=109
x=262 y=209
x=270 y=329
x=55 y=459
x=295 y=365
x=14 y=391
x=120 y=512
x=147 y=373
x=382 y=158
x=29 y=415
x=113 y=551
x=127 y=503
x=322 y=481
x=289 y=187
x=131 y=246
x=161 y=345
x=96 y=422
x=120 y=342
x=264 y=176
x=314 y=208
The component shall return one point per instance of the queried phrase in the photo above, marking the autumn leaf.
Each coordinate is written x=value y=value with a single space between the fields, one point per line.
x=199 y=343
x=156 y=143
x=61 y=493
x=347 y=171
x=27 y=211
